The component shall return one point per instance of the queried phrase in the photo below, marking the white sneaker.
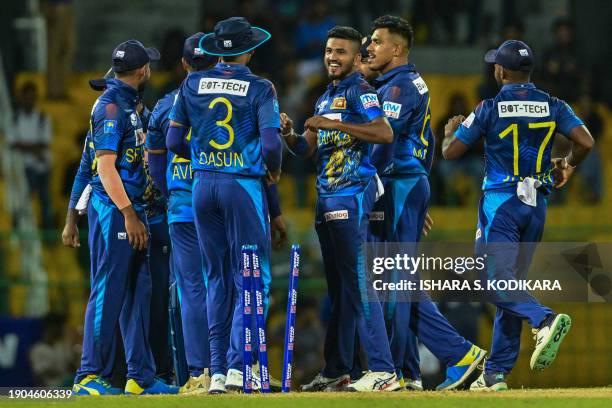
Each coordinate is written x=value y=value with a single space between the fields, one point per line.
x=256 y=381
x=489 y=382
x=413 y=385
x=217 y=384
x=196 y=385
x=375 y=381
x=275 y=384
x=548 y=339
x=321 y=383
x=233 y=383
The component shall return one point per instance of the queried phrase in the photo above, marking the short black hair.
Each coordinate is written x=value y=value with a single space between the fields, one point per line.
x=395 y=25
x=345 y=33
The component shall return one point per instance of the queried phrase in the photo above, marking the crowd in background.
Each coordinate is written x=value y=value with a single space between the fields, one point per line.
x=292 y=60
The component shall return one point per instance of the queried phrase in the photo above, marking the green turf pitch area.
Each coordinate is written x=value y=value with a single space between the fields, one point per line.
x=565 y=397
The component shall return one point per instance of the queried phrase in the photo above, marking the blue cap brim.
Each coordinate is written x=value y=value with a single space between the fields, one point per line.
x=209 y=46
x=490 y=56
x=153 y=54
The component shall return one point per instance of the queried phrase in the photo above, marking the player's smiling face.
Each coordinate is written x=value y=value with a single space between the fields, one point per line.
x=340 y=57
x=383 y=48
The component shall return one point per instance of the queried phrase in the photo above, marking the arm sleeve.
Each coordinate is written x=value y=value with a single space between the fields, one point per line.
x=431 y=149
x=145 y=117
x=176 y=141
x=158 y=164
x=365 y=101
x=179 y=109
x=398 y=105
x=156 y=137
x=268 y=112
x=566 y=118
x=273 y=200
x=82 y=178
x=473 y=127
x=106 y=127
x=272 y=148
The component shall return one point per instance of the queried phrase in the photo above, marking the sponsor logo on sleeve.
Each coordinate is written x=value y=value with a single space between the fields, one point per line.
x=223 y=86
x=122 y=235
x=339 y=103
x=369 y=100
x=336 y=215
x=530 y=109
x=392 y=109
x=377 y=216
x=421 y=86
x=110 y=126
x=469 y=120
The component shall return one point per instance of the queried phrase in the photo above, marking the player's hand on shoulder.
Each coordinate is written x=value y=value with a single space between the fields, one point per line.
x=452 y=124
x=561 y=172
x=70 y=236
x=278 y=231
x=138 y=235
x=319 y=122
x=286 y=124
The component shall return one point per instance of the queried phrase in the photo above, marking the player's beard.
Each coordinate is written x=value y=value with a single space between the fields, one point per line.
x=341 y=72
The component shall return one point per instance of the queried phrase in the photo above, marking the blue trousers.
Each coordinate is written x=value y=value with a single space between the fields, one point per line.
x=230 y=211
x=342 y=226
x=404 y=206
x=159 y=264
x=120 y=296
x=191 y=280
x=503 y=218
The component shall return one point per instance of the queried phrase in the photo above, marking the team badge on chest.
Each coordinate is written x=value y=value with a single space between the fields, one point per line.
x=339 y=103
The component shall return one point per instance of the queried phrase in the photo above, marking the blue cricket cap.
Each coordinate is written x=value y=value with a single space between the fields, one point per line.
x=513 y=55
x=194 y=55
x=131 y=54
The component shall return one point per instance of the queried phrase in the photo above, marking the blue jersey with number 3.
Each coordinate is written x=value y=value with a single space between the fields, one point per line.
x=518 y=126
x=227 y=107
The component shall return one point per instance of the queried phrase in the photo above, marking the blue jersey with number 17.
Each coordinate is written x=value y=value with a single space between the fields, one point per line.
x=518 y=126
x=227 y=107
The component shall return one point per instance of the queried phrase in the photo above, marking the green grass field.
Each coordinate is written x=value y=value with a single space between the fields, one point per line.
x=558 y=398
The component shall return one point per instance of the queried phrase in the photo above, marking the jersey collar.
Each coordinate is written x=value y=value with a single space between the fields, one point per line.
x=346 y=82
x=124 y=89
x=390 y=74
x=232 y=67
x=513 y=87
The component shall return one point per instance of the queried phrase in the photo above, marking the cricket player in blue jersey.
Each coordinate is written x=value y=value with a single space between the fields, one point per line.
x=235 y=143
x=118 y=236
x=348 y=119
x=155 y=210
x=173 y=175
x=518 y=126
x=405 y=167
